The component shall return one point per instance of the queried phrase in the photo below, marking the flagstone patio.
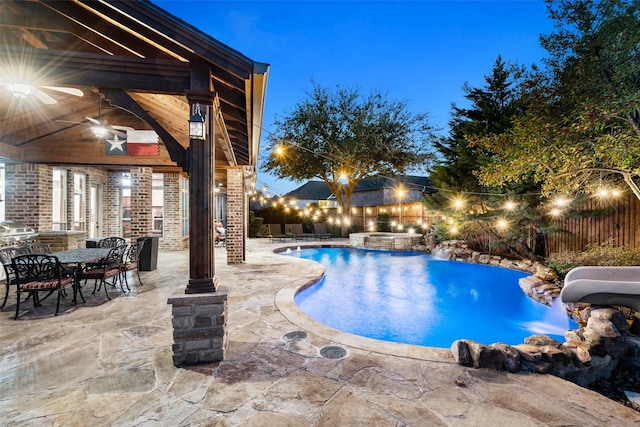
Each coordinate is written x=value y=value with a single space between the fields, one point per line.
x=109 y=363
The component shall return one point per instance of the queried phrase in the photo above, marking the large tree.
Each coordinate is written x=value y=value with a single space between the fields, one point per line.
x=582 y=127
x=343 y=136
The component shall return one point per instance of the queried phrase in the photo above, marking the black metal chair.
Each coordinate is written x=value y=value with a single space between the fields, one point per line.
x=39 y=248
x=111 y=242
x=6 y=255
x=131 y=262
x=106 y=271
x=38 y=273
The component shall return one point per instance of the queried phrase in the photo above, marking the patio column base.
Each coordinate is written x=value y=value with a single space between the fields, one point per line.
x=200 y=286
x=199 y=327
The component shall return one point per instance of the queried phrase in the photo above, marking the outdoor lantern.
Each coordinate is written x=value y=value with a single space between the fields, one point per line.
x=197 y=123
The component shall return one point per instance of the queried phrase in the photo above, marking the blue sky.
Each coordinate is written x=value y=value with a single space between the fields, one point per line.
x=421 y=52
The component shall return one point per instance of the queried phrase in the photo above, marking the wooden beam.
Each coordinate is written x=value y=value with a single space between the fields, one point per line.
x=122 y=99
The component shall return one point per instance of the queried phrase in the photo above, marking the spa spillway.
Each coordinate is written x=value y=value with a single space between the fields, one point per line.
x=381 y=240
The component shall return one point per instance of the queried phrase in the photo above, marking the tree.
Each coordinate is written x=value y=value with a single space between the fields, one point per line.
x=491 y=112
x=582 y=125
x=342 y=137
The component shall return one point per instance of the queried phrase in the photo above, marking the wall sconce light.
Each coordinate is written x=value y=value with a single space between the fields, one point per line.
x=197 y=123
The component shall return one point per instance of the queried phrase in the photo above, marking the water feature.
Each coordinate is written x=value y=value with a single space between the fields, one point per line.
x=414 y=298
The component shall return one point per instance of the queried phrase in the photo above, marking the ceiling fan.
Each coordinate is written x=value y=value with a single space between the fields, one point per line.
x=22 y=90
x=100 y=128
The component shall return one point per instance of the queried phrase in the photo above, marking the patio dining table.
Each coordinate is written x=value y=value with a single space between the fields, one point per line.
x=79 y=258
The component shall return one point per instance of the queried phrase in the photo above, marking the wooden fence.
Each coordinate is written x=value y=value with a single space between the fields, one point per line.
x=617 y=224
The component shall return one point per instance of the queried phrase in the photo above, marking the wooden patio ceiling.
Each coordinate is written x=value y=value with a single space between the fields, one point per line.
x=134 y=63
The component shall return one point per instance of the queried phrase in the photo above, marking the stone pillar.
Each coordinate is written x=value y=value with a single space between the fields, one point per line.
x=141 y=202
x=235 y=216
x=199 y=327
x=28 y=195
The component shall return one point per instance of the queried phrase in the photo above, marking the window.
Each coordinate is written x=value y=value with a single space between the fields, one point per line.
x=157 y=201
x=79 y=201
x=59 y=214
x=185 y=207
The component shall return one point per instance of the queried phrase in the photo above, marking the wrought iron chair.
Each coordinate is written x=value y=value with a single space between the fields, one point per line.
x=131 y=261
x=39 y=273
x=39 y=248
x=106 y=271
x=6 y=255
x=111 y=242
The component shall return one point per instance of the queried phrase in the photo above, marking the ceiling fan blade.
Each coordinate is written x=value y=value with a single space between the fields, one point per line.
x=94 y=121
x=68 y=90
x=70 y=122
x=43 y=97
x=121 y=127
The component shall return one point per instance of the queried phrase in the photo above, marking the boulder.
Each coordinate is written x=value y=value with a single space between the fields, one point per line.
x=510 y=356
x=461 y=353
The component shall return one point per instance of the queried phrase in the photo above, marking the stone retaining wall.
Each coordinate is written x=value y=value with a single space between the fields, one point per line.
x=589 y=353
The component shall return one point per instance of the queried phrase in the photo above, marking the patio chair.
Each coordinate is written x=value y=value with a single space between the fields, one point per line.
x=131 y=261
x=298 y=232
x=37 y=273
x=275 y=233
x=6 y=255
x=221 y=234
x=321 y=230
x=106 y=271
x=111 y=242
x=39 y=248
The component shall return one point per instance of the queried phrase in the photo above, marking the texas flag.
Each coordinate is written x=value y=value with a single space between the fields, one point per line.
x=136 y=143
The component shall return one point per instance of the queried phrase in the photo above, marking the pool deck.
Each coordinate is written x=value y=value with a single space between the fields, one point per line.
x=110 y=364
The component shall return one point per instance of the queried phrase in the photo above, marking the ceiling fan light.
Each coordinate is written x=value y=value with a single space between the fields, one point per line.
x=99 y=131
x=20 y=90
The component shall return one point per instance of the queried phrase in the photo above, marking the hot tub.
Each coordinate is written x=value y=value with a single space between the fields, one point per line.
x=381 y=240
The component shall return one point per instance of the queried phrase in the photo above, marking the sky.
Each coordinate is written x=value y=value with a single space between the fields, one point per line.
x=420 y=52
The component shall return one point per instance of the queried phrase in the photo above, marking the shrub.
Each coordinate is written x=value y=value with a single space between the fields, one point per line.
x=601 y=255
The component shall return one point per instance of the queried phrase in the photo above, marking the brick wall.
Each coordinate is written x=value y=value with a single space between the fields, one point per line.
x=235 y=216
x=28 y=195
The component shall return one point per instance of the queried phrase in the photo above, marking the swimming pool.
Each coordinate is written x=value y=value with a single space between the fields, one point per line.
x=413 y=298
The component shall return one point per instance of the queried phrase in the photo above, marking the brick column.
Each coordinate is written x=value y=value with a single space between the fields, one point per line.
x=141 y=202
x=28 y=195
x=112 y=205
x=235 y=216
x=173 y=239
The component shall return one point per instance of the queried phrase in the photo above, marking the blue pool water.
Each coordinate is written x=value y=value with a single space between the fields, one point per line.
x=413 y=298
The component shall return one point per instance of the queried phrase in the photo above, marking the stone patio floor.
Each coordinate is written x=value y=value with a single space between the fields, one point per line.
x=109 y=363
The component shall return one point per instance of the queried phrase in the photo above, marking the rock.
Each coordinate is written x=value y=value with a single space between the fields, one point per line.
x=555 y=355
x=484 y=356
x=484 y=259
x=530 y=353
x=510 y=356
x=541 y=340
x=604 y=327
x=634 y=399
x=545 y=273
x=614 y=316
x=541 y=367
x=574 y=334
x=461 y=353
